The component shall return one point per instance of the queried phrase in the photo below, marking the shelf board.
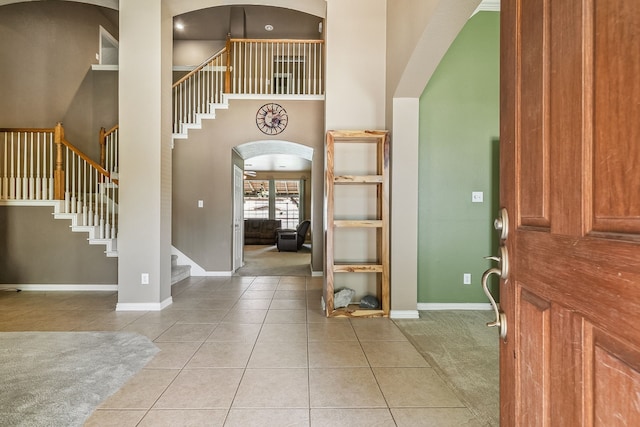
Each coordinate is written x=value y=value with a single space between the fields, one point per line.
x=359 y=179
x=355 y=223
x=355 y=311
x=357 y=268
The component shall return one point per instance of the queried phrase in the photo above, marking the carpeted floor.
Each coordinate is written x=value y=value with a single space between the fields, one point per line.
x=464 y=352
x=59 y=378
x=265 y=260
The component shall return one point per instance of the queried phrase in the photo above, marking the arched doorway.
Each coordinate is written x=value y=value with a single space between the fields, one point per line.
x=276 y=194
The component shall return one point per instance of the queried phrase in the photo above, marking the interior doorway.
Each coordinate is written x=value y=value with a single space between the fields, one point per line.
x=276 y=196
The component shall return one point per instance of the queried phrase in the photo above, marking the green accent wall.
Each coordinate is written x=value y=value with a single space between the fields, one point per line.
x=459 y=128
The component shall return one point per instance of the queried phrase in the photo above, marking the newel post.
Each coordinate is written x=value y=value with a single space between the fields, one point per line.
x=227 y=74
x=103 y=143
x=58 y=175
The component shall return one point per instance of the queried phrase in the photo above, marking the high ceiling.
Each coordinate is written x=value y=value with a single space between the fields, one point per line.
x=248 y=21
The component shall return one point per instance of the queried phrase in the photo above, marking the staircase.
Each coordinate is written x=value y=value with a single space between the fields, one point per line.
x=40 y=167
x=247 y=68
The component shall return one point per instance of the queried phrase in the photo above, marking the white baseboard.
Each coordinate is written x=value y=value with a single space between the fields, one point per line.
x=404 y=314
x=196 y=270
x=434 y=306
x=59 y=287
x=317 y=273
x=144 y=306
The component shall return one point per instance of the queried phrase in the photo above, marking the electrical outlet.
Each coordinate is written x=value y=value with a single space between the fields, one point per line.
x=466 y=278
x=144 y=279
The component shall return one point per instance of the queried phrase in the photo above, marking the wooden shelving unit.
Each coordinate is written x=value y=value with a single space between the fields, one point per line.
x=381 y=223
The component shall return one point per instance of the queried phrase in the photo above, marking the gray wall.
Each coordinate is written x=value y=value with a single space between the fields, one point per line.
x=202 y=170
x=46 y=52
x=35 y=248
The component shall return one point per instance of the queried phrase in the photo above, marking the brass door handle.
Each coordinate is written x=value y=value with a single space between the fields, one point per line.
x=502 y=260
x=501 y=223
x=501 y=318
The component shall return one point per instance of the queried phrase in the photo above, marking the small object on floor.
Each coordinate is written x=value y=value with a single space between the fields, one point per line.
x=343 y=297
x=369 y=301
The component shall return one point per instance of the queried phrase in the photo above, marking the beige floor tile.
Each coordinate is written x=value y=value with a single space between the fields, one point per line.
x=287 y=304
x=292 y=285
x=263 y=286
x=316 y=315
x=273 y=388
x=415 y=387
x=434 y=417
x=343 y=354
x=245 y=316
x=252 y=304
x=274 y=354
x=142 y=390
x=352 y=417
x=284 y=294
x=283 y=332
x=229 y=294
x=187 y=332
x=200 y=303
x=211 y=388
x=149 y=330
x=240 y=332
x=377 y=330
x=221 y=355
x=331 y=331
x=203 y=316
x=267 y=417
x=286 y=316
x=344 y=388
x=184 y=418
x=168 y=317
x=173 y=355
x=114 y=418
x=293 y=280
x=400 y=354
x=257 y=294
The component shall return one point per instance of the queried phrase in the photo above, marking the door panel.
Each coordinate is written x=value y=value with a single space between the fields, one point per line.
x=534 y=158
x=570 y=180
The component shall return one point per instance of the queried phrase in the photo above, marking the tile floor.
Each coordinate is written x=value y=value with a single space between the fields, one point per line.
x=253 y=351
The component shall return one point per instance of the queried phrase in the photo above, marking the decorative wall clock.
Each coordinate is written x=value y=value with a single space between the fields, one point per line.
x=271 y=118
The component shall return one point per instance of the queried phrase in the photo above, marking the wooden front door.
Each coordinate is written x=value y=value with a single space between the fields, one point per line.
x=570 y=181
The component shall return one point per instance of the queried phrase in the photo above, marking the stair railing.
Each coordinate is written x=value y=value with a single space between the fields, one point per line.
x=249 y=67
x=40 y=164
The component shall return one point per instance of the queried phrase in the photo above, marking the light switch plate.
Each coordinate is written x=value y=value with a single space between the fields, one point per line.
x=201 y=203
x=477 y=197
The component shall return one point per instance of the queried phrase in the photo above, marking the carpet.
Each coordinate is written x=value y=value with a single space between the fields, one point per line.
x=265 y=260
x=460 y=347
x=59 y=378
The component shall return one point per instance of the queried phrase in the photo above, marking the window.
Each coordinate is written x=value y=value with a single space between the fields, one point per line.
x=273 y=199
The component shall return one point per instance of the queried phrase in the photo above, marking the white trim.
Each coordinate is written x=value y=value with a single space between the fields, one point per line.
x=100 y=67
x=144 y=306
x=59 y=287
x=434 y=306
x=488 y=6
x=228 y=96
x=317 y=273
x=404 y=314
x=46 y=203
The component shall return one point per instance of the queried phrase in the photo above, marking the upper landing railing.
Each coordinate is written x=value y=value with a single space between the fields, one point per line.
x=249 y=67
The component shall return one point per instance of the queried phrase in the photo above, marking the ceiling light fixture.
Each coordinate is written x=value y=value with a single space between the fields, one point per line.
x=179 y=26
x=268 y=27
